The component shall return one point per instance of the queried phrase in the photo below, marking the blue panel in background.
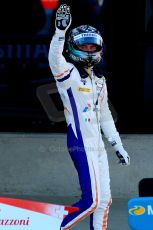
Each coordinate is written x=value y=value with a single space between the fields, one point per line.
x=140 y=213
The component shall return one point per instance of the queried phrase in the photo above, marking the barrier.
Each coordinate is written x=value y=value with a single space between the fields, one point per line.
x=31 y=215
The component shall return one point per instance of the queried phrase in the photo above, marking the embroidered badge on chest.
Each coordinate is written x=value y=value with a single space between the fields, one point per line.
x=84 y=81
x=87 y=90
x=99 y=85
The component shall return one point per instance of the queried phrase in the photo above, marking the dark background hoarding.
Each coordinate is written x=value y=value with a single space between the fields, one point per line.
x=26 y=80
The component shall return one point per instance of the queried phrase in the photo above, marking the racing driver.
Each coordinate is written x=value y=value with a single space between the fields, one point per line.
x=87 y=113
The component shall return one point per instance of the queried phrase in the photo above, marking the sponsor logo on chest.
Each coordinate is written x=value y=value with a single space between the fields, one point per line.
x=81 y=89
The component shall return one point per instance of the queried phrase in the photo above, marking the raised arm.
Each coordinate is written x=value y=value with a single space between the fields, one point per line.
x=59 y=67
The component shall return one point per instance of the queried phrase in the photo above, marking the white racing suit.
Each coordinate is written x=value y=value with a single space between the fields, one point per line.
x=85 y=117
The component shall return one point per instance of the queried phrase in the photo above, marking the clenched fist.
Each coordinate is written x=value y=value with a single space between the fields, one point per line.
x=123 y=156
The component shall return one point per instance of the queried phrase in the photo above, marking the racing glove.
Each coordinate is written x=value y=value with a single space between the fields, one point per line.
x=63 y=18
x=114 y=139
x=123 y=156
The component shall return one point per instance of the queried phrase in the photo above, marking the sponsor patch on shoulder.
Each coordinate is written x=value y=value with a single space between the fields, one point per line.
x=88 y=90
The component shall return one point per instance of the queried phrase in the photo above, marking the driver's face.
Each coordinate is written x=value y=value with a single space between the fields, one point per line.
x=88 y=47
